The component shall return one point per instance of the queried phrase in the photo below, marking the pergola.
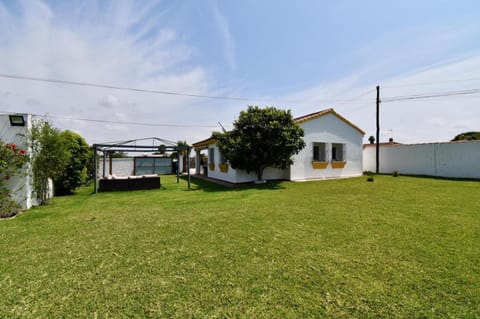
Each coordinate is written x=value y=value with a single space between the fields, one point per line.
x=143 y=145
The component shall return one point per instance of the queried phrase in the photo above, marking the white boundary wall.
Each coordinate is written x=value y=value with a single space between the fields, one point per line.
x=120 y=166
x=454 y=159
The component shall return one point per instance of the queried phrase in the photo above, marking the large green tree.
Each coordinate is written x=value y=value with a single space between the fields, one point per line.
x=261 y=138
x=467 y=136
x=75 y=172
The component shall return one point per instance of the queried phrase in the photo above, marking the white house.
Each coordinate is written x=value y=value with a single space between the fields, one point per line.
x=333 y=150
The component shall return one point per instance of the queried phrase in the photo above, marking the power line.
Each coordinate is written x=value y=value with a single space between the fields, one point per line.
x=431 y=83
x=117 y=122
x=131 y=123
x=123 y=88
x=433 y=96
x=354 y=100
x=108 y=86
x=428 y=96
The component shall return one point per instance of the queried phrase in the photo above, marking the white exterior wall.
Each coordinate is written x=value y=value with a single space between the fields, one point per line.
x=229 y=176
x=270 y=173
x=328 y=129
x=455 y=159
x=241 y=176
x=120 y=166
x=20 y=186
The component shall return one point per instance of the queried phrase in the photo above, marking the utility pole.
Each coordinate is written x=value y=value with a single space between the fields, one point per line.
x=378 y=132
x=188 y=165
x=95 y=168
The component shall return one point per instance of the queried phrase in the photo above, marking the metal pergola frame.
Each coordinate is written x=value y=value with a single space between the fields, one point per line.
x=158 y=145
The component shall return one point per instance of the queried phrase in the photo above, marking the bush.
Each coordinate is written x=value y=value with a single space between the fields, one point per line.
x=49 y=157
x=8 y=207
x=369 y=175
x=75 y=172
x=12 y=159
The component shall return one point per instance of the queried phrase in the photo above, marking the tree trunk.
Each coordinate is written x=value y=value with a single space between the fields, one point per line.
x=184 y=164
x=260 y=173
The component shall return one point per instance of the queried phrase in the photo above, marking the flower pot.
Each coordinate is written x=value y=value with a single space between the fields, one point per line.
x=338 y=164
x=319 y=165
x=223 y=168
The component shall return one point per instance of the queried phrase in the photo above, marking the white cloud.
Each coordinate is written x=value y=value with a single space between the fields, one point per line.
x=425 y=120
x=108 y=101
x=131 y=44
x=117 y=43
x=434 y=119
x=224 y=29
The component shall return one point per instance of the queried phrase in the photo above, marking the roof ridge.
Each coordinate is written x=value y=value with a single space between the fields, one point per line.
x=312 y=116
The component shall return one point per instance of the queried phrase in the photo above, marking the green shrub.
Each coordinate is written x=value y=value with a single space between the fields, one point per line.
x=49 y=157
x=12 y=159
x=8 y=207
x=75 y=172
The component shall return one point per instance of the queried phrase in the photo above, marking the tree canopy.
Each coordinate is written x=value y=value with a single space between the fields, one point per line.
x=467 y=136
x=61 y=156
x=75 y=172
x=261 y=138
x=50 y=157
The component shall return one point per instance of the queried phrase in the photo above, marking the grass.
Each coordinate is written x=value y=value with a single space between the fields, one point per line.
x=397 y=248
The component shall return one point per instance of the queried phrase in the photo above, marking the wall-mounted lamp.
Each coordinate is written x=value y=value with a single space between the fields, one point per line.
x=17 y=120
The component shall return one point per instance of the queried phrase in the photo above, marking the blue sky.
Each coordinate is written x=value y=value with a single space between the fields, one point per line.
x=302 y=55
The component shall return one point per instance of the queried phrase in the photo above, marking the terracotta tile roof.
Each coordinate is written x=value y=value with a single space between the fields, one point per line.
x=315 y=115
x=204 y=143
x=312 y=115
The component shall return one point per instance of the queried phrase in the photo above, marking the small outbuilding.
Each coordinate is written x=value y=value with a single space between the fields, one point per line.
x=14 y=129
x=333 y=150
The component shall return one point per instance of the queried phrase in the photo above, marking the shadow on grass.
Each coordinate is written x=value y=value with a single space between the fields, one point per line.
x=197 y=184
x=210 y=186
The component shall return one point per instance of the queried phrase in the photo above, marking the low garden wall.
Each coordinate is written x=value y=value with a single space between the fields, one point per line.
x=452 y=160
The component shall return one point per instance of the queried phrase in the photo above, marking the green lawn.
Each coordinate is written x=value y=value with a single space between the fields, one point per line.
x=397 y=248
